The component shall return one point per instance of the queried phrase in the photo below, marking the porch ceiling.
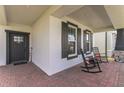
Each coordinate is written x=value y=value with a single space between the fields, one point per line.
x=24 y=14
x=66 y=10
x=116 y=14
x=96 y=17
x=93 y=16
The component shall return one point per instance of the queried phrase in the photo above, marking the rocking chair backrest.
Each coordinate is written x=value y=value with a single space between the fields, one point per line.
x=96 y=53
x=88 y=65
x=82 y=53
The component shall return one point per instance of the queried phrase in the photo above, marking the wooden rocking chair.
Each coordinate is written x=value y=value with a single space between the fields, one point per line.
x=90 y=65
x=98 y=57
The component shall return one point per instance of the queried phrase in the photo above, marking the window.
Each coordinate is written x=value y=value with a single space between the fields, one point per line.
x=72 y=41
x=18 y=39
x=87 y=41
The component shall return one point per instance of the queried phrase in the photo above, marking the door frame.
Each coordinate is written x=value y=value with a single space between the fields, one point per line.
x=8 y=32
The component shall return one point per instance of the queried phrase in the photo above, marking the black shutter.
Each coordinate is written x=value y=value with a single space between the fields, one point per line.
x=91 y=38
x=79 y=41
x=64 y=40
x=84 y=42
x=120 y=40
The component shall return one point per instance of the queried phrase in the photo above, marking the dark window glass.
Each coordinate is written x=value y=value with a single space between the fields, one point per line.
x=87 y=41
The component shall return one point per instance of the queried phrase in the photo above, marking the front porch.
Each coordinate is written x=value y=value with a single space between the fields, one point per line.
x=56 y=37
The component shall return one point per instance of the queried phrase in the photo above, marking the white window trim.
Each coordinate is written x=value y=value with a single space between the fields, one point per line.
x=71 y=55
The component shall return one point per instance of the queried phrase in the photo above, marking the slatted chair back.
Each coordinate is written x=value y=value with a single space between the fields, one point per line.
x=82 y=53
x=96 y=53
x=92 y=63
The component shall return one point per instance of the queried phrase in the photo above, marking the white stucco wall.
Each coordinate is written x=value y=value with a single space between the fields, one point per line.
x=99 y=41
x=110 y=41
x=40 y=40
x=46 y=43
x=58 y=64
x=13 y=27
x=40 y=43
x=2 y=47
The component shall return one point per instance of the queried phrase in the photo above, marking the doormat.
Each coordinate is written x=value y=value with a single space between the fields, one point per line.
x=20 y=63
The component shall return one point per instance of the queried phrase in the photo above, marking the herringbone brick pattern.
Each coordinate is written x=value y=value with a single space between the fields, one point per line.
x=29 y=75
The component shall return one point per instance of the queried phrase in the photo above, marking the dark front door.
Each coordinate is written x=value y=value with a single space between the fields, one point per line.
x=17 y=47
